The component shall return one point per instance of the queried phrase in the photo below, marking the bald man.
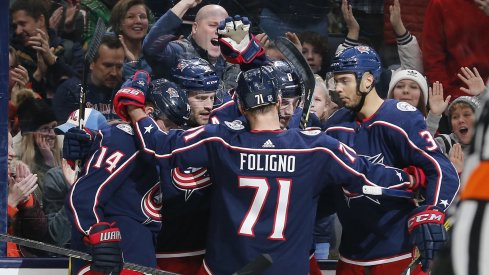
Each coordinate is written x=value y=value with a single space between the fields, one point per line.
x=162 y=53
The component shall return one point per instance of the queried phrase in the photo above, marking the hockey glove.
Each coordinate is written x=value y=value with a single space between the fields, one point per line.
x=417 y=175
x=427 y=232
x=76 y=144
x=104 y=239
x=132 y=93
x=237 y=44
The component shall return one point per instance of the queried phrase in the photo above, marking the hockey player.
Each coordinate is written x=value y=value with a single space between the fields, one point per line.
x=239 y=46
x=380 y=240
x=291 y=89
x=180 y=245
x=200 y=81
x=260 y=202
x=118 y=196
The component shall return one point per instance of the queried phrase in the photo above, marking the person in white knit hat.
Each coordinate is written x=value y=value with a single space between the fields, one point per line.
x=411 y=86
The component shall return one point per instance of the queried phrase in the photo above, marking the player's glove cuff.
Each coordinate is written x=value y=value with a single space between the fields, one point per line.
x=418 y=177
x=103 y=232
x=140 y=80
x=104 y=239
x=425 y=214
x=250 y=53
x=237 y=44
x=127 y=97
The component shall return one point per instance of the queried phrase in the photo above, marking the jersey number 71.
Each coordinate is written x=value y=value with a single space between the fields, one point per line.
x=262 y=188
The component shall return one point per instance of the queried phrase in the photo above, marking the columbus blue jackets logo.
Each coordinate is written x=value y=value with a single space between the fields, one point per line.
x=172 y=92
x=181 y=66
x=363 y=49
x=151 y=204
x=190 y=179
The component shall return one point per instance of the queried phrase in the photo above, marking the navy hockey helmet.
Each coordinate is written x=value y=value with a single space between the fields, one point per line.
x=257 y=87
x=169 y=100
x=357 y=60
x=290 y=83
x=195 y=74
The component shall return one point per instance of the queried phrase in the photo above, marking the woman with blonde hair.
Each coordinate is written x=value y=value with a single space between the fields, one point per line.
x=322 y=105
x=39 y=147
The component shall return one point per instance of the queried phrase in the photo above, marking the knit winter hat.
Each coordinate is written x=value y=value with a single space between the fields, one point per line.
x=411 y=75
x=33 y=113
x=472 y=101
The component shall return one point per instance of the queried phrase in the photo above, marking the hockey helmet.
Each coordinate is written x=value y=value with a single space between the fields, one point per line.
x=357 y=60
x=169 y=100
x=257 y=87
x=195 y=74
x=290 y=83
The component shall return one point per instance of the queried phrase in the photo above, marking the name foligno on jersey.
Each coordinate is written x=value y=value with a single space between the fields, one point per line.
x=267 y=162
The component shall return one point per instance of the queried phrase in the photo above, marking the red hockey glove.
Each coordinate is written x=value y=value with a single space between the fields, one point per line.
x=427 y=232
x=237 y=44
x=417 y=175
x=132 y=93
x=104 y=239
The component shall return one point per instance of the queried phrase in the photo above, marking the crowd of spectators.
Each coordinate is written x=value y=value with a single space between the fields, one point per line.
x=441 y=69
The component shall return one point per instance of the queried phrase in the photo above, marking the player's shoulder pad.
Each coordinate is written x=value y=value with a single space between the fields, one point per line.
x=397 y=111
x=125 y=128
x=236 y=125
x=338 y=117
x=311 y=132
x=405 y=107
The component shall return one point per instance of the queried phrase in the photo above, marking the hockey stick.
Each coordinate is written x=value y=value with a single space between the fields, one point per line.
x=417 y=259
x=76 y=254
x=292 y=54
x=100 y=29
x=257 y=266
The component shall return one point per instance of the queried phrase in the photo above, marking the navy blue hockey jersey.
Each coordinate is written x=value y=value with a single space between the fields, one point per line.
x=375 y=229
x=229 y=112
x=266 y=185
x=117 y=181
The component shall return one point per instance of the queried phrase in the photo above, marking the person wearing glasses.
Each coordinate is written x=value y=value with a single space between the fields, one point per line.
x=38 y=147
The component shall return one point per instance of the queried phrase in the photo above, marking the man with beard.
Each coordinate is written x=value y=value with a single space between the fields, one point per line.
x=381 y=239
x=105 y=78
x=197 y=77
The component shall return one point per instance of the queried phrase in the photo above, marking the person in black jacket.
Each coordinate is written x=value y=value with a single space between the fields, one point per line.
x=105 y=78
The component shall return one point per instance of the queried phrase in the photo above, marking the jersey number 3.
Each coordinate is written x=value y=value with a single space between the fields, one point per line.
x=262 y=188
